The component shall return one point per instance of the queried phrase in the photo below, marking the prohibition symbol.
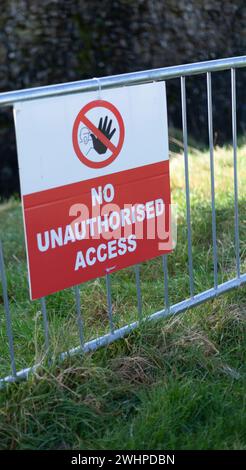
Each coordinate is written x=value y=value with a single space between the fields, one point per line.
x=98 y=134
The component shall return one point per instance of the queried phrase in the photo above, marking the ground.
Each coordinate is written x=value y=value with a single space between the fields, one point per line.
x=175 y=384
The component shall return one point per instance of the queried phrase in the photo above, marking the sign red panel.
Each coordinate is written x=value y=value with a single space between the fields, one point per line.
x=56 y=218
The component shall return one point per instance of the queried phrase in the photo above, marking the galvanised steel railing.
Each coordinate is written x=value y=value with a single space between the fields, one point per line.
x=180 y=71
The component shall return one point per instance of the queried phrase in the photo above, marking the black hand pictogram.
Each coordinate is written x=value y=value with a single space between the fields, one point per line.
x=105 y=128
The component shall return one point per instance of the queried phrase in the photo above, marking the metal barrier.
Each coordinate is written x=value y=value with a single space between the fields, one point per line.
x=9 y=98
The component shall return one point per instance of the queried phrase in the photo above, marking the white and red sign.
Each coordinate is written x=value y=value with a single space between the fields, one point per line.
x=94 y=177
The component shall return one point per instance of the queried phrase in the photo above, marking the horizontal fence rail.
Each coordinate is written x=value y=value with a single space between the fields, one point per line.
x=134 y=78
x=181 y=72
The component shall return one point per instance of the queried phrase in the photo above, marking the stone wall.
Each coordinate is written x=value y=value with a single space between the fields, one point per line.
x=50 y=41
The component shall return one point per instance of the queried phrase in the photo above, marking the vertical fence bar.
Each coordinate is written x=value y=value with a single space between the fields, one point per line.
x=79 y=317
x=7 y=312
x=234 y=137
x=187 y=185
x=165 y=270
x=109 y=301
x=139 y=293
x=211 y=152
x=45 y=323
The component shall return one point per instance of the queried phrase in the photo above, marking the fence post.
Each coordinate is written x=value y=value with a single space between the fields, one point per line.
x=211 y=154
x=234 y=137
x=7 y=312
x=187 y=184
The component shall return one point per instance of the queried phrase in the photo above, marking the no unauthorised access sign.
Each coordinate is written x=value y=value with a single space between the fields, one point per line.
x=95 y=187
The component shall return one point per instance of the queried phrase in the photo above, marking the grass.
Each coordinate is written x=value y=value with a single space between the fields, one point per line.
x=176 y=384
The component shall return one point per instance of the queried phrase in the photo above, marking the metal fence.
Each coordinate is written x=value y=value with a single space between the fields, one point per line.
x=181 y=72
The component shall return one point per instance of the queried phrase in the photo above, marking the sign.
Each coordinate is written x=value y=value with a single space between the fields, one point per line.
x=94 y=177
x=100 y=137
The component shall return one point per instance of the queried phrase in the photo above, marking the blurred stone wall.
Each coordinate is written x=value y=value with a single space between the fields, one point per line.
x=50 y=41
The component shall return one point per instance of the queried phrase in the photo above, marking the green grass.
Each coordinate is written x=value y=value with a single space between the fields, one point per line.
x=176 y=384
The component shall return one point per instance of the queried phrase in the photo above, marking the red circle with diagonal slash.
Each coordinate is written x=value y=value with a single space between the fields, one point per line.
x=81 y=117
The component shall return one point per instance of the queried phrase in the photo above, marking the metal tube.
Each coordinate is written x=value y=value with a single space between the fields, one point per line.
x=109 y=301
x=45 y=323
x=165 y=73
x=79 y=317
x=139 y=294
x=165 y=270
x=211 y=151
x=234 y=137
x=187 y=185
x=7 y=311
x=121 y=332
